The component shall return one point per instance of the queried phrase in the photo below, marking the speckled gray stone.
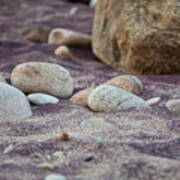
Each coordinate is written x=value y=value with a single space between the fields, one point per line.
x=108 y=98
x=13 y=104
x=174 y=106
x=55 y=177
x=41 y=98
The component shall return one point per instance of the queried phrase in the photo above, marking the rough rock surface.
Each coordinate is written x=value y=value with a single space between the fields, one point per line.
x=107 y=98
x=137 y=144
x=42 y=77
x=13 y=104
x=139 y=37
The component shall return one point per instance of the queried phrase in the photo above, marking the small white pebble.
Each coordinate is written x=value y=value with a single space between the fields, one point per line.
x=93 y=3
x=153 y=101
x=55 y=177
x=73 y=11
x=8 y=149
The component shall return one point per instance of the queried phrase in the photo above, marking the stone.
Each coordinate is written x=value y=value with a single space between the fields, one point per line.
x=173 y=106
x=63 y=51
x=38 y=77
x=55 y=177
x=127 y=82
x=153 y=101
x=13 y=104
x=60 y=36
x=107 y=98
x=8 y=149
x=81 y=97
x=35 y=34
x=138 y=37
x=41 y=98
x=2 y=79
x=93 y=3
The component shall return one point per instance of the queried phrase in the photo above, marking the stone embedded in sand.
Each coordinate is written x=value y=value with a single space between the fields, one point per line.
x=35 y=34
x=2 y=79
x=55 y=177
x=153 y=101
x=174 y=106
x=81 y=97
x=108 y=98
x=60 y=36
x=41 y=98
x=63 y=51
x=139 y=37
x=127 y=82
x=13 y=104
x=41 y=77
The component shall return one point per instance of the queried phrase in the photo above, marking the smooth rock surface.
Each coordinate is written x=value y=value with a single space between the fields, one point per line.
x=41 y=77
x=108 y=98
x=127 y=82
x=41 y=98
x=13 y=104
x=55 y=177
x=138 y=37
x=153 y=101
x=174 y=106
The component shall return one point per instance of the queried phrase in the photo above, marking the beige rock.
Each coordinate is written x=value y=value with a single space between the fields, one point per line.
x=139 y=37
x=127 y=82
x=64 y=51
x=2 y=79
x=60 y=36
x=41 y=77
x=81 y=97
x=174 y=106
x=35 y=34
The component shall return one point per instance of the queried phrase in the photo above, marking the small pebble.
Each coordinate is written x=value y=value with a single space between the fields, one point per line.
x=46 y=166
x=73 y=11
x=153 y=101
x=107 y=98
x=41 y=98
x=93 y=3
x=81 y=97
x=88 y=159
x=35 y=34
x=38 y=77
x=63 y=51
x=58 y=154
x=127 y=82
x=174 y=106
x=8 y=149
x=60 y=36
x=64 y=137
x=55 y=177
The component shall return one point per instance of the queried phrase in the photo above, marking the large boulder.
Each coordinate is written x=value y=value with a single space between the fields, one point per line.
x=138 y=37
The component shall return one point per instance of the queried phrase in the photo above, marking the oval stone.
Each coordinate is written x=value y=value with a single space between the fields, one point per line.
x=41 y=77
x=108 y=98
x=13 y=104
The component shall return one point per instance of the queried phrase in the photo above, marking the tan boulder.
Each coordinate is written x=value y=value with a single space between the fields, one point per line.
x=138 y=37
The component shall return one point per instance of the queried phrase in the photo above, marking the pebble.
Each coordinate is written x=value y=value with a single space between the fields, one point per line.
x=64 y=137
x=63 y=51
x=153 y=101
x=35 y=34
x=174 y=106
x=8 y=149
x=107 y=98
x=41 y=98
x=88 y=159
x=93 y=3
x=81 y=97
x=58 y=154
x=38 y=77
x=127 y=82
x=55 y=177
x=2 y=79
x=13 y=104
x=46 y=166
x=60 y=36
x=73 y=11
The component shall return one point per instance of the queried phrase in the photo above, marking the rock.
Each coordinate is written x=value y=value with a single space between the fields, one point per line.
x=59 y=36
x=2 y=79
x=40 y=99
x=93 y=3
x=58 y=154
x=55 y=177
x=13 y=104
x=139 y=37
x=64 y=51
x=81 y=97
x=73 y=11
x=108 y=98
x=127 y=82
x=174 y=106
x=153 y=101
x=41 y=77
x=46 y=166
x=8 y=149
x=35 y=34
